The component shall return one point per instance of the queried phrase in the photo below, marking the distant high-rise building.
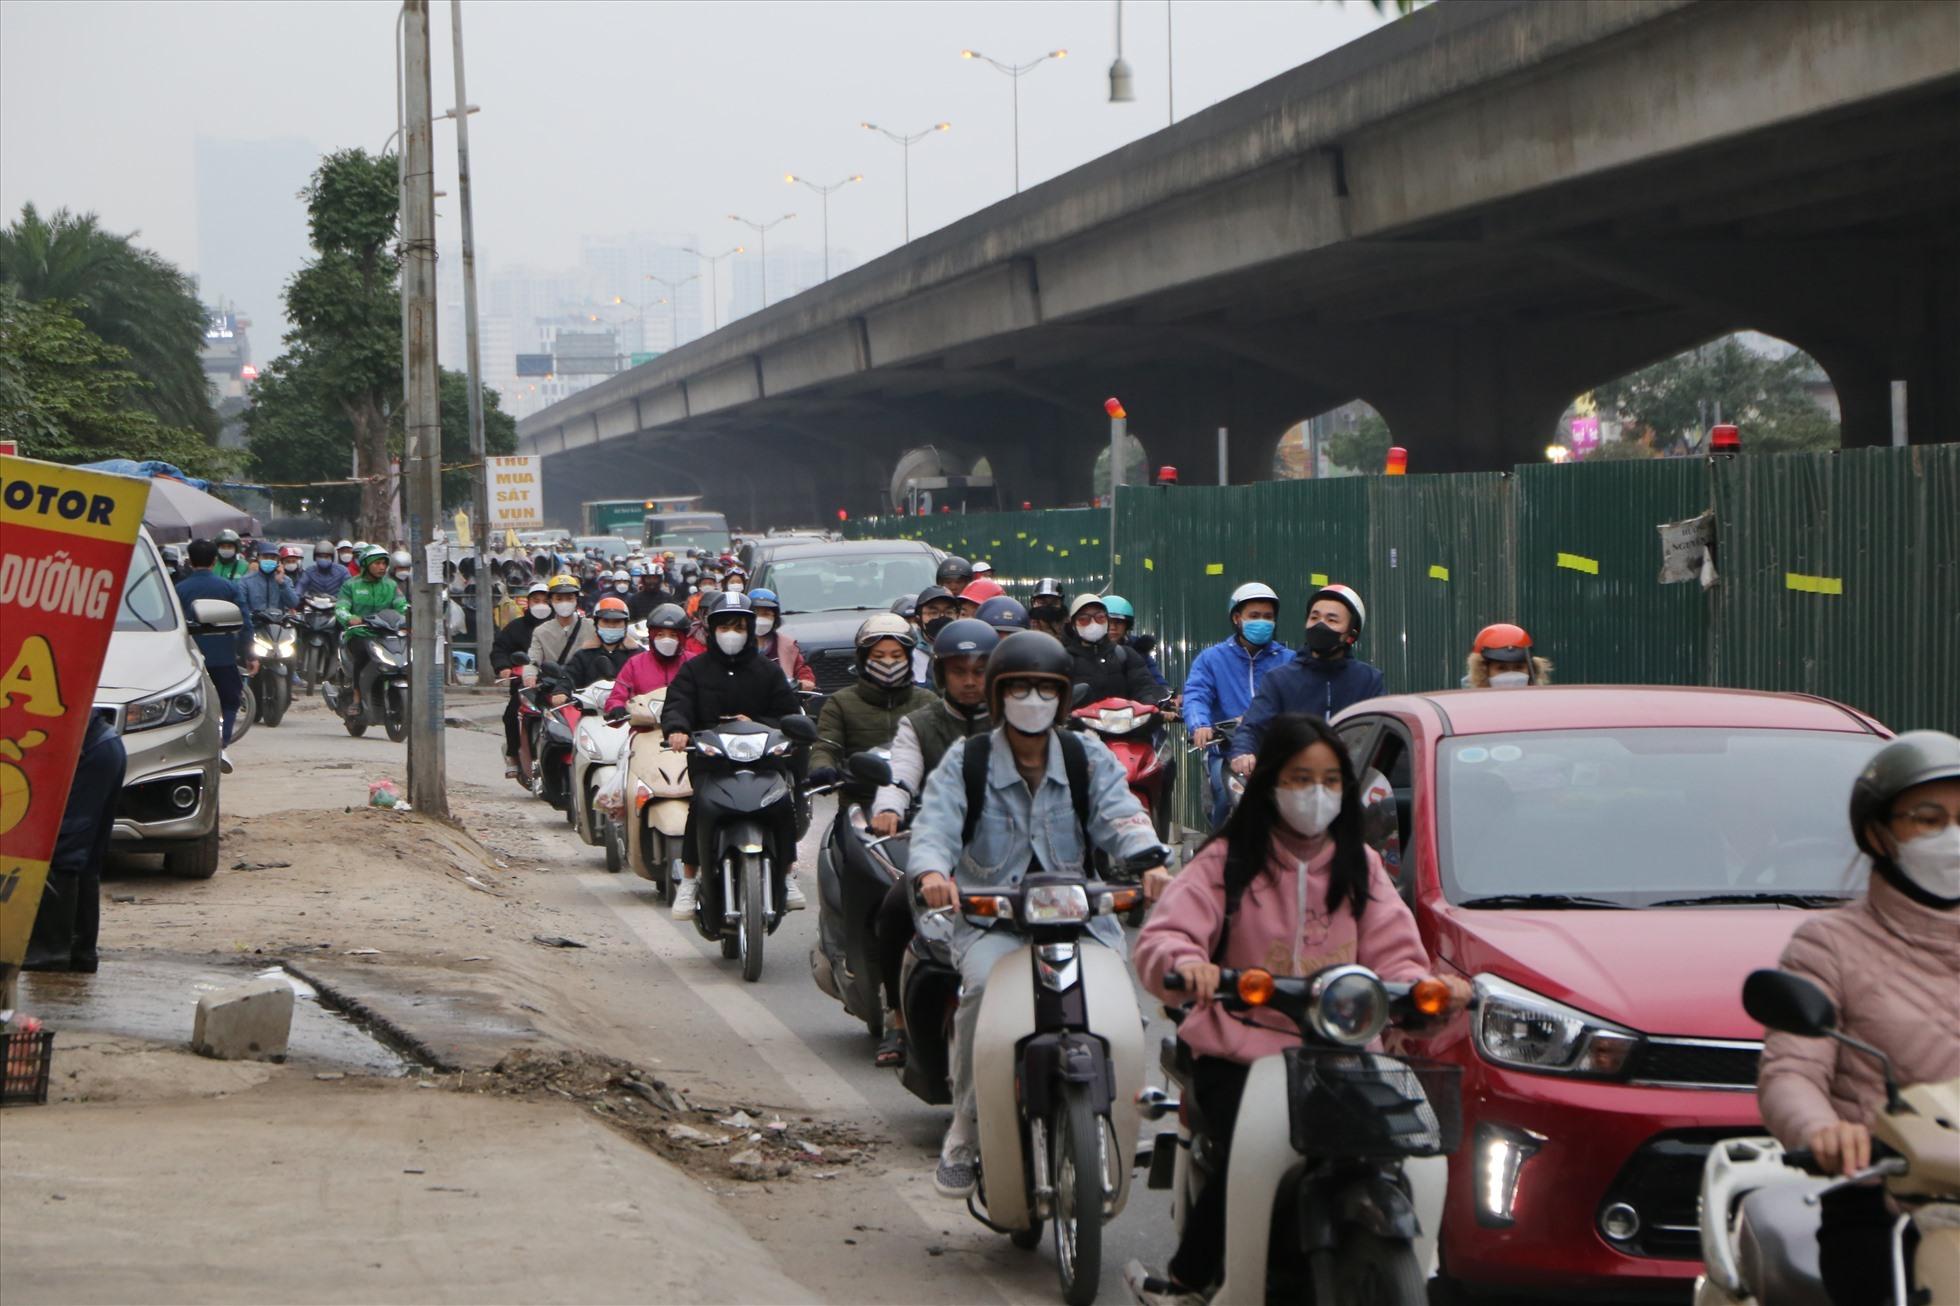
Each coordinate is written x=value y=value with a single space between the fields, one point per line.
x=791 y=272
x=251 y=226
x=620 y=267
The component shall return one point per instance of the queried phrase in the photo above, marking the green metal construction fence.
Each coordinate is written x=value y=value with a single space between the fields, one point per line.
x=1834 y=573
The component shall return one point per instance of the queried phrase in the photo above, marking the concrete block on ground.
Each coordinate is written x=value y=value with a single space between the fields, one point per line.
x=248 y=1023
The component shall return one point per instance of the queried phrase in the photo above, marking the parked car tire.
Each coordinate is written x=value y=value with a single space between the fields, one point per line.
x=194 y=859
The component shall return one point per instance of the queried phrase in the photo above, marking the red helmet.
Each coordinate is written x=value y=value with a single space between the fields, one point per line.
x=612 y=606
x=1503 y=642
x=290 y=551
x=980 y=590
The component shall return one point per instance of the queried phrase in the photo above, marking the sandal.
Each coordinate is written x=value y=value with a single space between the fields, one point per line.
x=891 y=1052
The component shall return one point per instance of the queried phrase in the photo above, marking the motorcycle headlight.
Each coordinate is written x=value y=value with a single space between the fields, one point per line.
x=287 y=645
x=384 y=656
x=744 y=748
x=1348 y=1005
x=1516 y=1027
x=1047 y=903
x=260 y=648
x=183 y=703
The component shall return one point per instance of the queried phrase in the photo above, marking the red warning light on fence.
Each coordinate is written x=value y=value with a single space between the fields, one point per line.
x=1167 y=475
x=1725 y=437
x=1114 y=407
x=1398 y=461
x=843 y=515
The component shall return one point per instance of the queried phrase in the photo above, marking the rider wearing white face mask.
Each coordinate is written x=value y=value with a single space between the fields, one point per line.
x=559 y=635
x=1290 y=886
x=1043 y=798
x=1501 y=658
x=776 y=643
x=731 y=680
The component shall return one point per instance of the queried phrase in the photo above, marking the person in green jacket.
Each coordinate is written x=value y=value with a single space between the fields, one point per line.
x=866 y=713
x=232 y=564
x=361 y=597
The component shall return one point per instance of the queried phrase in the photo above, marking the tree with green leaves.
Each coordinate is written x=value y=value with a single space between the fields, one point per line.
x=1678 y=397
x=499 y=435
x=69 y=396
x=130 y=298
x=1363 y=449
x=344 y=354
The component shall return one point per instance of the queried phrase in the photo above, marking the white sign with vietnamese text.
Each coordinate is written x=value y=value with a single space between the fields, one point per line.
x=516 y=492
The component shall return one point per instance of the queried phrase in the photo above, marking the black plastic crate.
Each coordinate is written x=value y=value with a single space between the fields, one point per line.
x=24 y=1062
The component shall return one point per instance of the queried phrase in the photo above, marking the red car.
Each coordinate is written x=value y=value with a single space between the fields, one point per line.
x=1605 y=865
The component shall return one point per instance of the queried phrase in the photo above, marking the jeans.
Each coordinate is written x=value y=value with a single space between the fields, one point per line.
x=510 y=721
x=231 y=692
x=65 y=928
x=976 y=951
x=1219 y=801
x=1218 y=1086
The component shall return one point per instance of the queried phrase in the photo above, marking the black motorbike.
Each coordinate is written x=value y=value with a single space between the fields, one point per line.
x=744 y=775
x=383 y=681
x=319 y=640
x=276 y=648
x=855 y=870
x=553 y=732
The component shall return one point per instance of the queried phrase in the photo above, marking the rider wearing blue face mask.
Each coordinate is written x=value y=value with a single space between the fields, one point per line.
x=606 y=648
x=1225 y=676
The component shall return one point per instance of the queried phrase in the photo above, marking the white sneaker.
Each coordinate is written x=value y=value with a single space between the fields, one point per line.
x=224 y=762
x=1151 y=1290
x=793 y=899
x=685 y=900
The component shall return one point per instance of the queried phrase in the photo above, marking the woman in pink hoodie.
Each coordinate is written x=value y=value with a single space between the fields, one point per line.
x=656 y=667
x=1311 y=894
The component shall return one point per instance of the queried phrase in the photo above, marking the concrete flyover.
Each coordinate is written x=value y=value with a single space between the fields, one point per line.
x=1466 y=218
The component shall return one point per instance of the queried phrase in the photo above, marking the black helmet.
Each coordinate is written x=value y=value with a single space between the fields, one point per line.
x=969 y=637
x=1027 y=653
x=955 y=569
x=1003 y=614
x=905 y=606
x=930 y=594
x=1049 y=588
x=668 y=616
x=1914 y=758
x=728 y=604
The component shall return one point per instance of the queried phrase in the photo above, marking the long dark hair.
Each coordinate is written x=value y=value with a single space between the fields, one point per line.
x=1248 y=832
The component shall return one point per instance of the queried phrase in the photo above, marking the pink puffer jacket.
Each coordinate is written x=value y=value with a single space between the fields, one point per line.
x=1892 y=967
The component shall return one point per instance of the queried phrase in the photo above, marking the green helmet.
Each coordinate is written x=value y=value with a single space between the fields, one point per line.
x=1914 y=758
x=1118 y=606
x=372 y=552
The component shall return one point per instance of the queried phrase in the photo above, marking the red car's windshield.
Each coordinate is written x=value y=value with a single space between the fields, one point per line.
x=1649 y=817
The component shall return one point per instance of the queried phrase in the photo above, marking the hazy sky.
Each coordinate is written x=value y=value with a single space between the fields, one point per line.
x=603 y=118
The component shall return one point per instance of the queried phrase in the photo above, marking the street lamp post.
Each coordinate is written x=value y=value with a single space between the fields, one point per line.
x=905 y=144
x=673 y=289
x=761 y=230
x=714 y=282
x=1015 y=72
x=792 y=179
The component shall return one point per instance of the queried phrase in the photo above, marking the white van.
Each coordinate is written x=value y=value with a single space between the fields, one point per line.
x=155 y=691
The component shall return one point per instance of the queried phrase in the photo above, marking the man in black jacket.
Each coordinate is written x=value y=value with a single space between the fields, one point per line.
x=731 y=680
x=515 y=638
x=1110 y=669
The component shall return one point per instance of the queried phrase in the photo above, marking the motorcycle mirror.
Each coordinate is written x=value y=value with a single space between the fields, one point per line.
x=550 y=669
x=871 y=769
x=1078 y=696
x=209 y=616
x=1790 y=1003
x=800 y=728
x=520 y=659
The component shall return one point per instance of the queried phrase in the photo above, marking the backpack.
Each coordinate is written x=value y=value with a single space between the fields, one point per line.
x=979 y=751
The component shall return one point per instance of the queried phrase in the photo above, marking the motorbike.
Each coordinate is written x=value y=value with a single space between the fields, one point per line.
x=1759 y=1201
x=598 y=750
x=1221 y=742
x=747 y=770
x=1057 y=1062
x=384 y=680
x=274 y=645
x=552 y=745
x=855 y=870
x=1135 y=734
x=1338 y=1150
x=659 y=792
x=320 y=640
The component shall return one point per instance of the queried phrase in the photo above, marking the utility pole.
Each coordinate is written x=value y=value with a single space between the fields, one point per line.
x=480 y=498
x=1119 y=430
x=427 y=788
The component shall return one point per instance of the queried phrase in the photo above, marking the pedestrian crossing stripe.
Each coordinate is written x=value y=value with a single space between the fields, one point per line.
x=1318 y=578
x=1576 y=562
x=1437 y=572
x=1813 y=584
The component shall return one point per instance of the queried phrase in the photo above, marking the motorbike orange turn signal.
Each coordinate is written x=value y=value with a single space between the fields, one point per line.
x=1255 y=987
x=1430 y=996
x=1124 y=899
x=983 y=906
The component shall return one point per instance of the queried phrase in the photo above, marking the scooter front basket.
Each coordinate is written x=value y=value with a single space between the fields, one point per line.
x=1342 y=1103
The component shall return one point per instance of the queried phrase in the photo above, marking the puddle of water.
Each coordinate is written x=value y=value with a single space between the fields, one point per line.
x=156 y=998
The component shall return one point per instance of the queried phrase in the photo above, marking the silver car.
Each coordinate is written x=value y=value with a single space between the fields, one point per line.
x=155 y=689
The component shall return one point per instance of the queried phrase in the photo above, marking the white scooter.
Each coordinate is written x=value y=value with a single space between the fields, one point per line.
x=1759 y=1202
x=1353 y=1141
x=598 y=748
x=658 y=792
x=1057 y=1064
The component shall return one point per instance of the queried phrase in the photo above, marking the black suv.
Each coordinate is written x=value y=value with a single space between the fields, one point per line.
x=828 y=587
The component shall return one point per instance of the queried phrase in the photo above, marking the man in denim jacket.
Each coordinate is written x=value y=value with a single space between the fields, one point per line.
x=1028 y=824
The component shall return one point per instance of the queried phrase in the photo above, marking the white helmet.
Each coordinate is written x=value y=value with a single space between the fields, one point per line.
x=1346 y=594
x=885 y=625
x=1249 y=591
x=1082 y=601
x=401 y=559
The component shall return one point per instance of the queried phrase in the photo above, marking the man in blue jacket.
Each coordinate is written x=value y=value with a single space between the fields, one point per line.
x=221 y=652
x=1328 y=678
x=1225 y=676
x=325 y=575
